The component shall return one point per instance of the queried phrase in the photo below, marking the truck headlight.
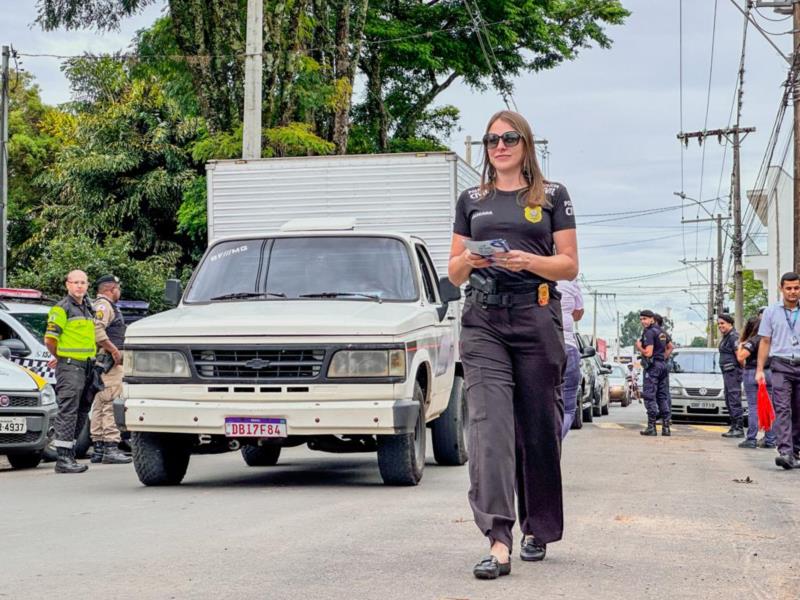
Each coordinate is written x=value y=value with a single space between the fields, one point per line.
x=368 y=363
x=48 y=395
x=155 y=363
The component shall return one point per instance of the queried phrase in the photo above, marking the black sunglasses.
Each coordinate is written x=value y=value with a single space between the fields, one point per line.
x=510 y=139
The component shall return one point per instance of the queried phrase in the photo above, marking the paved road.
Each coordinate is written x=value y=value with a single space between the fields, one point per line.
x=646 y=518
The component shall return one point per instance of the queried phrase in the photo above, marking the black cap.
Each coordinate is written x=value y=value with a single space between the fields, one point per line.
x=647 y=313
x=725 y=317
x=106 y=279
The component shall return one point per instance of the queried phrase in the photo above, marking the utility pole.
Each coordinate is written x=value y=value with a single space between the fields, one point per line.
x=595 y=294
x=735 y=135
x=619 y=343
x=719 y=291
x=710 y=303
x=254 y=46
x=796 y=92
x=4 y=100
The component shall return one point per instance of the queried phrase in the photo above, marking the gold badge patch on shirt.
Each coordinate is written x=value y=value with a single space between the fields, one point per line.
x=100 y=313
x=534 y=215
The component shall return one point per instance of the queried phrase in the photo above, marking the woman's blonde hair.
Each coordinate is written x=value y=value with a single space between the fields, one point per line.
x=534 y=194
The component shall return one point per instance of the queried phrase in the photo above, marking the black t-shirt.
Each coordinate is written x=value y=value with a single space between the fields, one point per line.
x=727 y=348
x=499 y=215
x=653 y=336
x=751 y=345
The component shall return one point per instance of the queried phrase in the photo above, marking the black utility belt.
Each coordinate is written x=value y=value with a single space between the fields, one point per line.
x=508 y=299
x=792 y=362
x=73 y=361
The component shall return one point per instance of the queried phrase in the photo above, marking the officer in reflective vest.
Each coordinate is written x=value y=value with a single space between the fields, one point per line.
x=70 y=339
x=110 y=333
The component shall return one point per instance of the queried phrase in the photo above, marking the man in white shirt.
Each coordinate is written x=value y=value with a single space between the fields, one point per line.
x=571 y=311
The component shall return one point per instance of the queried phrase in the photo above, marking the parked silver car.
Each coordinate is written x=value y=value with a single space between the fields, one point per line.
x=696 y=385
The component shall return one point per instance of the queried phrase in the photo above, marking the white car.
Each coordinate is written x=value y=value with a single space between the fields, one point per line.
x=27 y=410
x=23 y=318
x=696 y=385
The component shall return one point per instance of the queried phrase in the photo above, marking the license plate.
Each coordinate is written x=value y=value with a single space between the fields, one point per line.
x=255 y=427
x=702 y=405
x=13 y=425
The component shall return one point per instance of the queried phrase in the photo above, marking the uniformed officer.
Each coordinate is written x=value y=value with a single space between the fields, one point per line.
x=109 y=329
x=512 y=346
x=780 y=342
x=652 y=345
x=667 y=353
x=731 y=374
x=70 y=339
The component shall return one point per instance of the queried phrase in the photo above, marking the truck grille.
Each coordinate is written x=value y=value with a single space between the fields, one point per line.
x=710 y=392
x=19 y=438
x=19 y=401
x=259 y=363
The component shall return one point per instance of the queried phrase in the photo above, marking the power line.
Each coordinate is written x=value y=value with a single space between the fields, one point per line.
x=631 y=242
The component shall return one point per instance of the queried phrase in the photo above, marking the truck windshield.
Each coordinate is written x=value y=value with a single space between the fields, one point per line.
x=694 y=362
x=329 y=268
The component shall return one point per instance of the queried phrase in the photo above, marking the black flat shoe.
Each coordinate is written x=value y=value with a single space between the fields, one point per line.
x=786 y=461
x=532 y=549
x=491 y=568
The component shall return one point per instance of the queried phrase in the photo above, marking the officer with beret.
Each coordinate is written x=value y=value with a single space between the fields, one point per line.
x=652 y=346
x=109 y=327
x=731 y=374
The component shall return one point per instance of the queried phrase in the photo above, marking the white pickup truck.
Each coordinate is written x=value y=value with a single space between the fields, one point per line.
x=319 y=333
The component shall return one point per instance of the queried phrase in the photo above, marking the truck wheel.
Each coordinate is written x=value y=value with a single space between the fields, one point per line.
x=577 y=422
x=160 y=458
x=261 y=456
x=29 y=460
x=401 y=457
x=83 y=442
x=450 y=429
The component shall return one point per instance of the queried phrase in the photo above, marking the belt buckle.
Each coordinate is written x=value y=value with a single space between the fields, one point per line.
x=506 y=300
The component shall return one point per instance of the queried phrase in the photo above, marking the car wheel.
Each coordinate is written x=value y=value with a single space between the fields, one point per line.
x=626 y=400
x=160 y=458
x=588 y=414
x=28 y=460
x=401 y=457
x=604 y=409
x=450 y=431
x=261 y=456
x=577 y=422
x=596 y=411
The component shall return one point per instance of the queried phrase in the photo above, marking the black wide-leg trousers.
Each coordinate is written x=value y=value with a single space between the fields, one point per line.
x=513 y=367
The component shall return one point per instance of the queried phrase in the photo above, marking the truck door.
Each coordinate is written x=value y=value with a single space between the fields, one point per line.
x=442 y=344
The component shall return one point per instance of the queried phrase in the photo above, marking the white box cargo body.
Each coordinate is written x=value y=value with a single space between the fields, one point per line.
x=407 y=193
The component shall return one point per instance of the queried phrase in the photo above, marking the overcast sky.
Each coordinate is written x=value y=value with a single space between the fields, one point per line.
x=610 y=116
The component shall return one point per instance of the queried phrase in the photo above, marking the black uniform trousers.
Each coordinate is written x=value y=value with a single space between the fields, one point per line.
x=513 y=367
x=72 y=413
x=786 y=400
x=733 y=394
x=656 y=391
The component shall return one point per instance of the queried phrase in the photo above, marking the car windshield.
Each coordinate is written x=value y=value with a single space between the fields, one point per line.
x=619 y=372
x=364 y=268
x=694 y=362
x=33 y=322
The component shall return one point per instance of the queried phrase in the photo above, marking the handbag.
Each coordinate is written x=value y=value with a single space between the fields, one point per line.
x=766 y=413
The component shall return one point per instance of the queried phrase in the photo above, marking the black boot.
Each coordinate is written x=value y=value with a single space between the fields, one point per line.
x=651 y=428
x=97 y=453
x=665 y=428
x=112 y=455
x=736 y=430
x=65 y=463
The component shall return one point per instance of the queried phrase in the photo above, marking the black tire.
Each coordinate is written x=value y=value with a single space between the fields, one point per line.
x=577 y=422
x=84 y=441
x=29 y=460
x=160 y=458
x=261 y=456
x=604 y=409
x=596 y=410
x=450 y=430
x=626 y=401
x=588 y=414
x=401 y=457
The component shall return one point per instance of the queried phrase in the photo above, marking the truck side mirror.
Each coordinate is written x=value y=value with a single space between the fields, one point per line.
x=173 y=292
x=448 y=291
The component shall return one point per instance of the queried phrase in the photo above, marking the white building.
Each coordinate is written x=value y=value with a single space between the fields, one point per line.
x=768 y=252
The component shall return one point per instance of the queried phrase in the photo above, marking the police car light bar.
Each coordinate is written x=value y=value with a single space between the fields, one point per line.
x=25 y=293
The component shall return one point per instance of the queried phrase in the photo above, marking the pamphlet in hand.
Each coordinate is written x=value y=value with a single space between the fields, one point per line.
x=486 y=248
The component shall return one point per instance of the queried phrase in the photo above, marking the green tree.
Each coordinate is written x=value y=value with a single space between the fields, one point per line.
x=630 y=328
x=755 y=294
x=698 y=342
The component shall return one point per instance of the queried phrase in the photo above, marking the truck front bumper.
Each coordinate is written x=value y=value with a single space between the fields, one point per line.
x=354 y=417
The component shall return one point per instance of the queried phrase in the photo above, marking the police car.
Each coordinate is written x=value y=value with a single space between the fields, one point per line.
x=27 y=410
x=23 y=318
